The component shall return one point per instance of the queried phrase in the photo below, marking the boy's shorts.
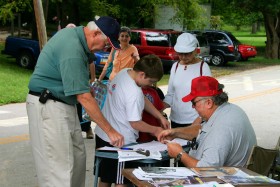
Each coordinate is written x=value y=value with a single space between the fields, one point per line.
x=110 y=169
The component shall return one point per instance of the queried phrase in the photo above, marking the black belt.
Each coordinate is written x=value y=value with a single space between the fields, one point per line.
x=50 y=97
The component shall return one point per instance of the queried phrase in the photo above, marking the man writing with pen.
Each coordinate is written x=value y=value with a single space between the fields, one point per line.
x=224 y=138
x=123 y=108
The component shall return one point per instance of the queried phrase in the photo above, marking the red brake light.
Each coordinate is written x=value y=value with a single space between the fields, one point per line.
x=231 y=48
x=169 y=52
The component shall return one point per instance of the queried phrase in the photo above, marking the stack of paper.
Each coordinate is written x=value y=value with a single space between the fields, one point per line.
x=127 y=155
x=148 y=173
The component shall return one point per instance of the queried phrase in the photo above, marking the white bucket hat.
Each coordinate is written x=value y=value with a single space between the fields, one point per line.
x=186 y=43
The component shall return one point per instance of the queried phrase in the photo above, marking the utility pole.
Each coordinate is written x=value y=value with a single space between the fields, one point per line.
x=40 y=22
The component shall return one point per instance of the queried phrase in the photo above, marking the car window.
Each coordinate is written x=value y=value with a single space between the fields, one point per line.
x=135 y=38
x=202 y=41
x=157 y=39
x=234 y=40
x=173 y=38
x=220 y=38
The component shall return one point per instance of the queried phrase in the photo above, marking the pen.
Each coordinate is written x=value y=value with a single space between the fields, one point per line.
x=126 y=148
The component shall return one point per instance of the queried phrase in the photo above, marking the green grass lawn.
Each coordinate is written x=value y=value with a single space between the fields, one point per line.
x=14 y=79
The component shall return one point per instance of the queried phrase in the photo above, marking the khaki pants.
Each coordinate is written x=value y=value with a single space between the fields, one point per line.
x=57 y=143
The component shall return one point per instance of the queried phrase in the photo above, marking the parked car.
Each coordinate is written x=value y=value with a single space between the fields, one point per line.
x=158 y=42
x=26 y=52
x=223 y=46
x=101 y=59
x=203 y=50
x=161 y=43
x=246 y=51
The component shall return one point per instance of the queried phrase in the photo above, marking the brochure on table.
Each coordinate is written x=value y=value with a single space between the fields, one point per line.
x=154 y=148
x=166 y=176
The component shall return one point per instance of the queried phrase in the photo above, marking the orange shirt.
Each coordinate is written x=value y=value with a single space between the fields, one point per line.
x=123 y=59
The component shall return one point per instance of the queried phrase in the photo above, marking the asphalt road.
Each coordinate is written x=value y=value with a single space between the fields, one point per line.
x=256 y=91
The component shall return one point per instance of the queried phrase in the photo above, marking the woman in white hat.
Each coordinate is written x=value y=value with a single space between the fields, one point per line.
x=182 y=72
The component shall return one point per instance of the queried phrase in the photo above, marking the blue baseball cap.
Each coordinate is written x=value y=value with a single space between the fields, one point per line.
x=111 y=28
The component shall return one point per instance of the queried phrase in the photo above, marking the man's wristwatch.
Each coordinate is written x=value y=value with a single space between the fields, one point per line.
x=179 y=156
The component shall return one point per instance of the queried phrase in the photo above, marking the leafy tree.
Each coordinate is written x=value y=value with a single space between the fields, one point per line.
x=216 y=22
x=9 y=8
x=189 y=14
x=271 y=13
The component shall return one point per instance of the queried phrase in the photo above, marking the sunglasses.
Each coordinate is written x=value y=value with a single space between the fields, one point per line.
x=195 y=102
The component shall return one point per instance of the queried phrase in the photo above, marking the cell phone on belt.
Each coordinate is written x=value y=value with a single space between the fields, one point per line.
x=44 y=96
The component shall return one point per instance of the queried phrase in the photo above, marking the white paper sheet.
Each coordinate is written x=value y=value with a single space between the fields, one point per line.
x=156 y=145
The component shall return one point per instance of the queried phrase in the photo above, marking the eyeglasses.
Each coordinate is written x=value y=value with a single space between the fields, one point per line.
x=107 y=44
x=195 y=102
x=123 y=35
x=193 y=144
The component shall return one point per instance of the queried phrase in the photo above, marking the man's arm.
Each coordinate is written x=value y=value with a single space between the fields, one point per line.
x=92 y=109
x=92 y=72
x=144 y=127
x=187 y=133
x=175 y=149
x=150 y=108
x=103 y=73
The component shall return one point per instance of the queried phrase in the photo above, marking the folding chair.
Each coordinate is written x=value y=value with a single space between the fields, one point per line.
x=275 y=169
x=261 y=160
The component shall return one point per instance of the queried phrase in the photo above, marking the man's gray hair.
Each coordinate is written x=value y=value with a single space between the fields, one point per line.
x=92 y=26
x=221 y=98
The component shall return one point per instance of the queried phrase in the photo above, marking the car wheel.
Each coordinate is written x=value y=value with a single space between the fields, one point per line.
x=26 y=60
x=217 y=59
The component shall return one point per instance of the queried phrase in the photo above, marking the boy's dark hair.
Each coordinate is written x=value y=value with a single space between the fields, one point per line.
x=151 y=65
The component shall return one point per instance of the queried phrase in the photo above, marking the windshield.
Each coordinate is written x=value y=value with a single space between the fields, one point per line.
x=161 y=39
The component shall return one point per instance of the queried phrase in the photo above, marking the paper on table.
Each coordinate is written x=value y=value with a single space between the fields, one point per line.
x=157 y=146
x=162 y=172
x=107 y=148
x=125 y=155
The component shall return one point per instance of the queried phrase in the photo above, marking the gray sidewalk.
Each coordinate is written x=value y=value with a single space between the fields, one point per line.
x=256 y=91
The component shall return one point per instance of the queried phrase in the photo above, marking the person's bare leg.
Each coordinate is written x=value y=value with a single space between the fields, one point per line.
x=121 y=185
x=103 y=184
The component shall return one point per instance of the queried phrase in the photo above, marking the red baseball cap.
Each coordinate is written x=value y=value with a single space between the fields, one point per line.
x=203 y=86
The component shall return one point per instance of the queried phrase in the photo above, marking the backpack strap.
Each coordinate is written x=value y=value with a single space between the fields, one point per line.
x=201 y=65
x=176 y=66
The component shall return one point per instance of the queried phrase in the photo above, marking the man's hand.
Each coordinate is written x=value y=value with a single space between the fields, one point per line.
x=174 y=149
x=166 y=135
x=117 y=140
x=164 y=123
x=157 y=132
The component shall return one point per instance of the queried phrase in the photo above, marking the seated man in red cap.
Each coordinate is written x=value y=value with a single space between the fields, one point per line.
x=225 y=138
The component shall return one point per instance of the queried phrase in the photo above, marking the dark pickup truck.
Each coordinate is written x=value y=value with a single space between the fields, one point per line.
x=26 y=52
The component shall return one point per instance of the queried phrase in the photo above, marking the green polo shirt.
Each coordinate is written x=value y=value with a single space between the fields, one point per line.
x=62 y=66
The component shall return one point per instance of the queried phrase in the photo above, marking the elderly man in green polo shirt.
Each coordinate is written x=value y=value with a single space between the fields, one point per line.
x=58 y=83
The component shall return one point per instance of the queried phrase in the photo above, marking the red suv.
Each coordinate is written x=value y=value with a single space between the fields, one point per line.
x=158 y=42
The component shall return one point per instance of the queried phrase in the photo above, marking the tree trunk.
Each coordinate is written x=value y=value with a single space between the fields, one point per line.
x=254 y=28
x=272 y=43
x=258 y=26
